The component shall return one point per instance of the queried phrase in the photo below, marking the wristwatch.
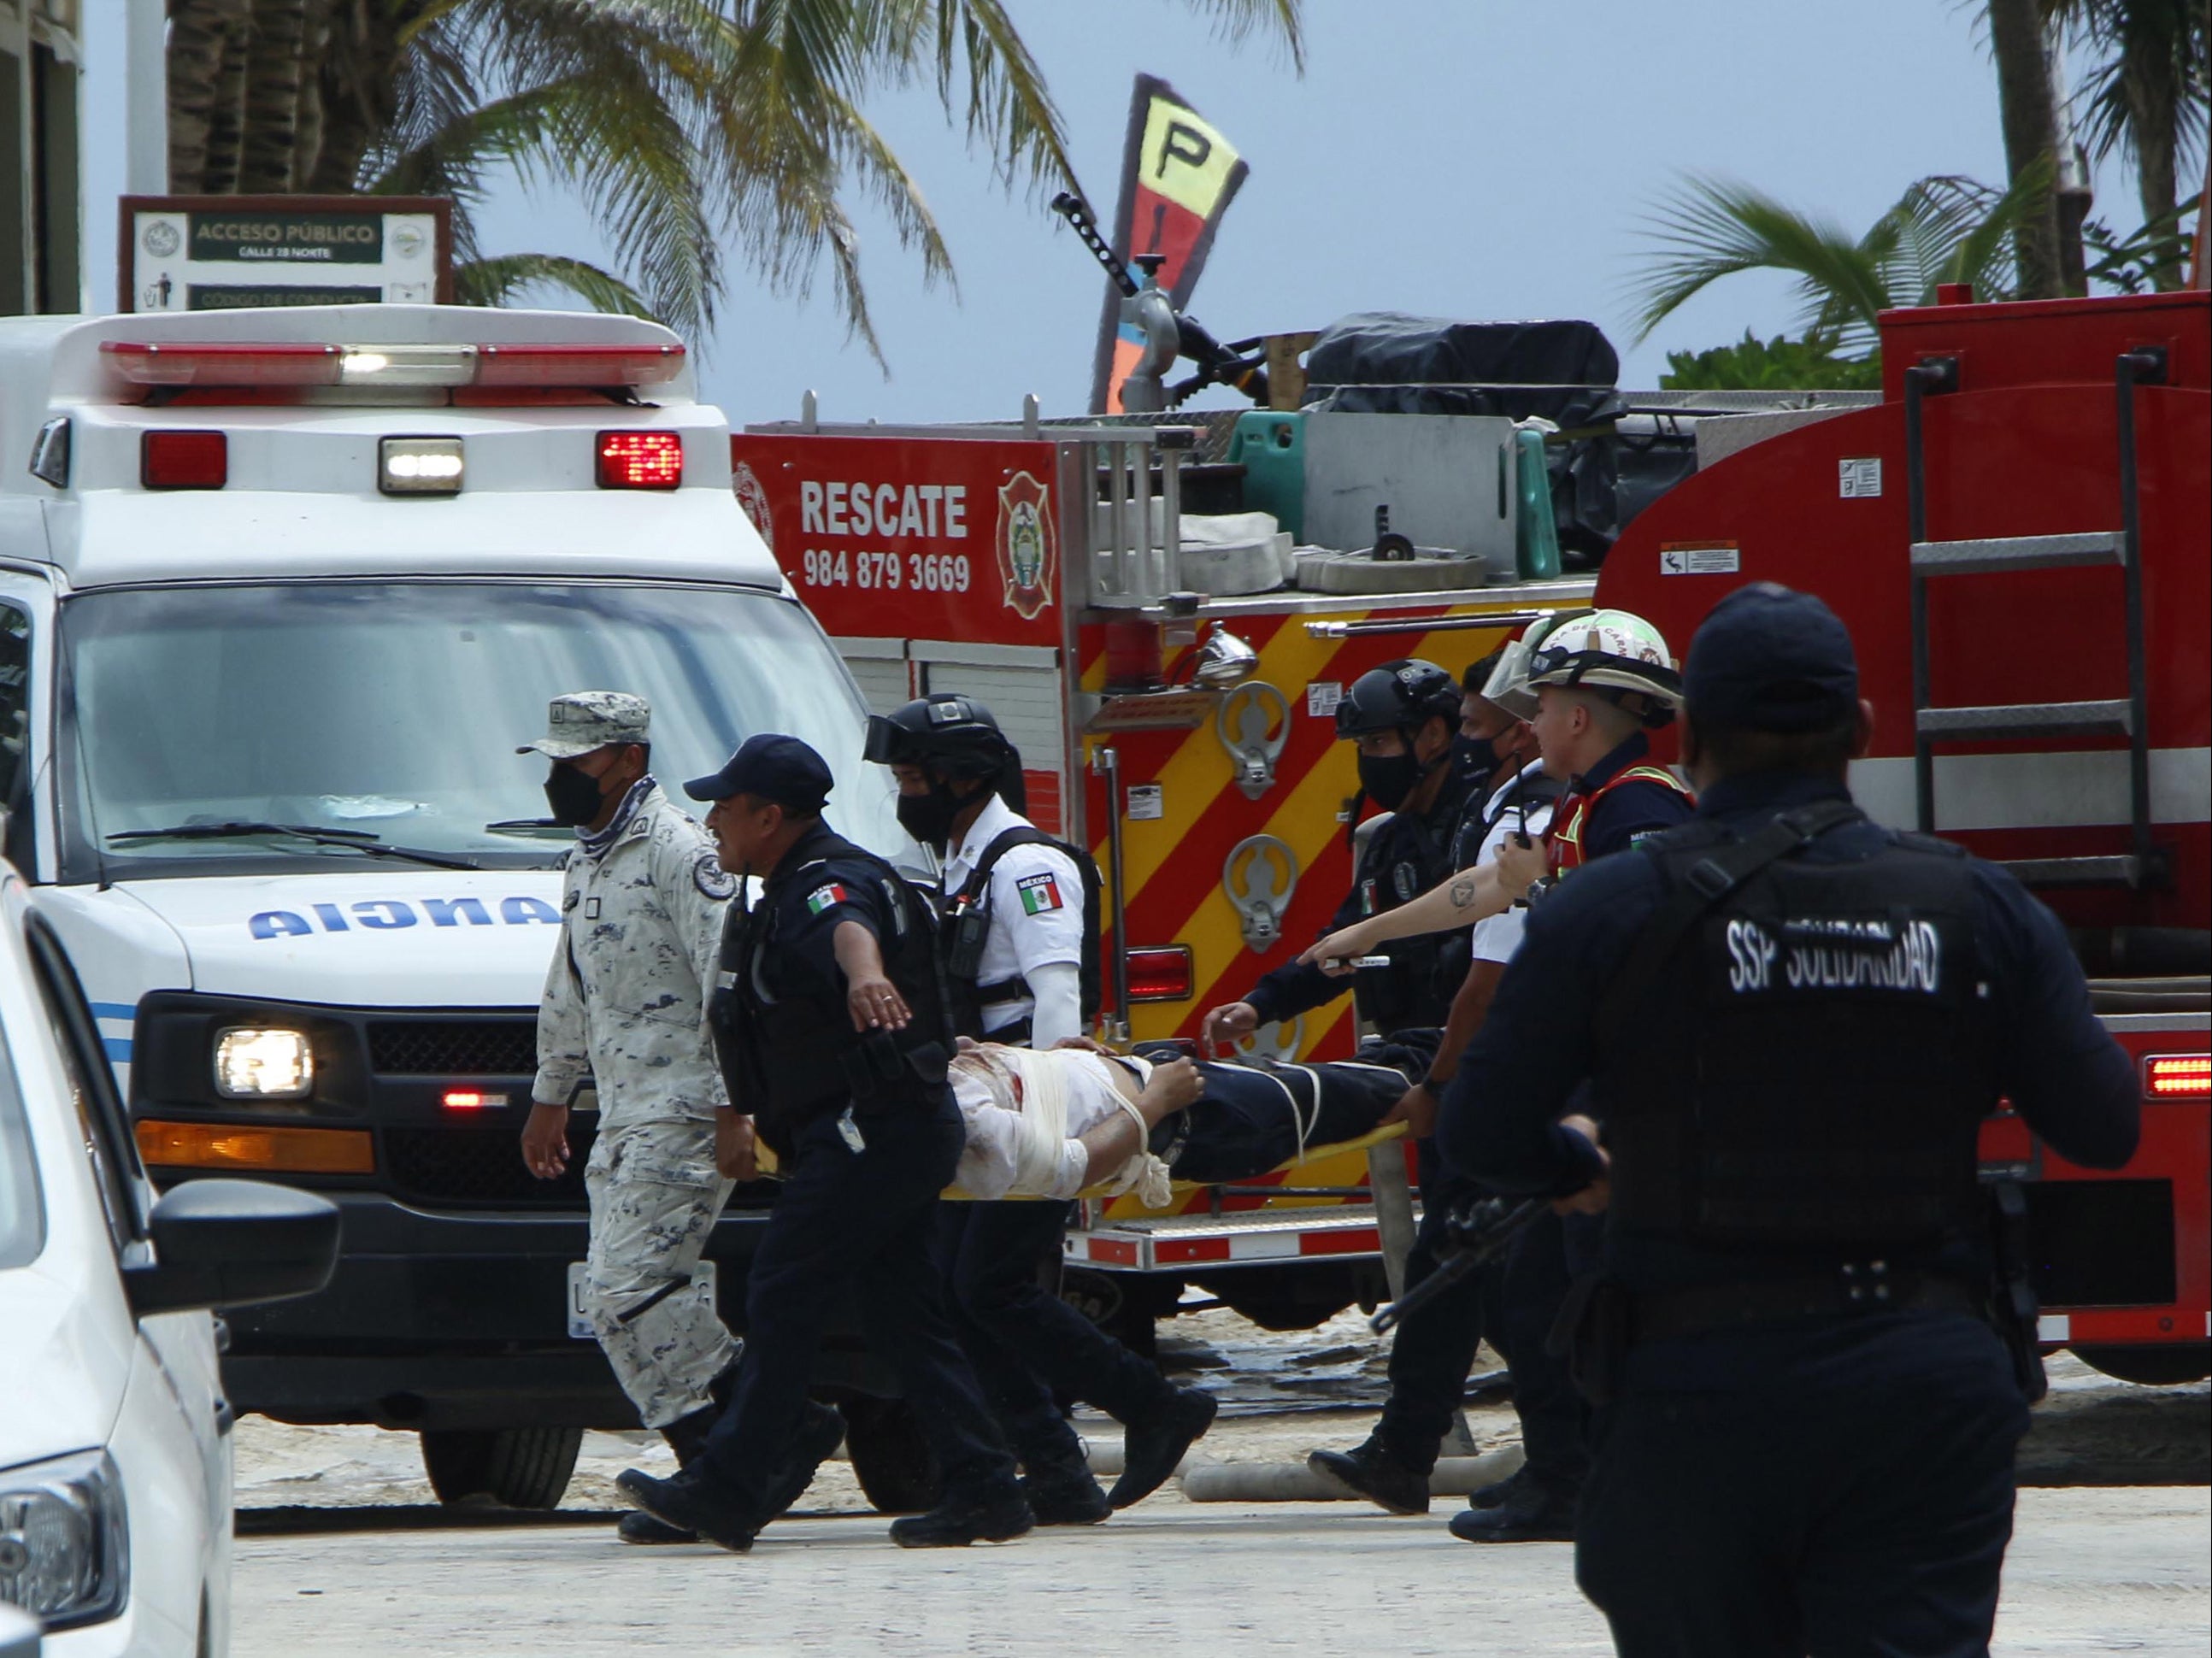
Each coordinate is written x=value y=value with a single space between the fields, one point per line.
x=1537 y=889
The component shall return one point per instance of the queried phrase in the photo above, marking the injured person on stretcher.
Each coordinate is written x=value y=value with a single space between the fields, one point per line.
x=1054 y=1122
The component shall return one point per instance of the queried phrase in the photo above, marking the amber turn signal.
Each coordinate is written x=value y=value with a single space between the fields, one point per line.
x=276 y=1150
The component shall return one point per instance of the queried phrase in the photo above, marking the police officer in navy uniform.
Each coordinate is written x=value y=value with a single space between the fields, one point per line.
x=1013 y=937
x=1403 y=716
x=832 y=1029
x=1790 y=1021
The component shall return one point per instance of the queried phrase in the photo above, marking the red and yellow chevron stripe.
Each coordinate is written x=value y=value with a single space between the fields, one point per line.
x=1173 y=864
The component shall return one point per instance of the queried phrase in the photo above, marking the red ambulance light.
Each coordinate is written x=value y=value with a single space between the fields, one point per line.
x=184 y=461
x=640 y=460
x=578 y=365
x=236 y=364
x=2178 y=1076
x=1159 y=973
x=468 y=1099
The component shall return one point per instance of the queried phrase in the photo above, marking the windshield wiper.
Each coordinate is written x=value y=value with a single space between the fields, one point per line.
x=359 y=839
x=528 y=826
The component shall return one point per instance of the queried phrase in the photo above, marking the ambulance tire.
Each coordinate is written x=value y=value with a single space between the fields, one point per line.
x=2160 y=1364
x=892 y=1460
x=514 y=1467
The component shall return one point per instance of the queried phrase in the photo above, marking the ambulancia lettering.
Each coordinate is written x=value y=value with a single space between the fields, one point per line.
x=385 y=914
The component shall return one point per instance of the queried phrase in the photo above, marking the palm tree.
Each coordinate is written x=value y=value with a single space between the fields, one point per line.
x=2027 y=109
x=1943 y=229
x=682 y=124
x=2147 y=96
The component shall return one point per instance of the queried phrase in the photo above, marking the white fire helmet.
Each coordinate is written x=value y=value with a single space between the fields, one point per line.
x=1613 y=651
x=1508 y=685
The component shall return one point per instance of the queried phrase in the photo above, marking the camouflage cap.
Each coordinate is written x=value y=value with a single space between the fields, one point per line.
x=582 y=721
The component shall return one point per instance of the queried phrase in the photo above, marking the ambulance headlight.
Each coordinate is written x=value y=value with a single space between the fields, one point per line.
x=419 y=466
x=253 y=1064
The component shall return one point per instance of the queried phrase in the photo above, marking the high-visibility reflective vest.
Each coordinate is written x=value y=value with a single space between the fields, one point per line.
x=1566 y=843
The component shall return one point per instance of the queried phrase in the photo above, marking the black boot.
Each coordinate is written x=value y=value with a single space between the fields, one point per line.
x=1155 y=1442
x=1371 y=1471
x=959 y=1521
x=1061 y=1490
x=687 y=1437
x=821 y=1431
x=691 y=1500
x=1489 y=1497
x=1537 y=1512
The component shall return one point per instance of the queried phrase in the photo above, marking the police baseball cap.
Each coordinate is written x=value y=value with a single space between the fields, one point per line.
x=1770 y=659
x=770 y=767
x=583 y=721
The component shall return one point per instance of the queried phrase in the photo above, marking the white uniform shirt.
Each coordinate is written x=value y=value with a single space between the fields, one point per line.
x=625 y=1000
x=1036 y=901
x=988 y=1162
x=1497 y=937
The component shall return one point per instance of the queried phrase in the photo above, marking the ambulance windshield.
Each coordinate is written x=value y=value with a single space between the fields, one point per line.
x=348 y=710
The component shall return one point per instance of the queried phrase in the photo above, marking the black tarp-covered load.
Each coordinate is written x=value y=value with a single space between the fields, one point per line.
x=1388 y=362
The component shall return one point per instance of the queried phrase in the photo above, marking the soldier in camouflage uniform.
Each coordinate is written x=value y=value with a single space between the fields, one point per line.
x=642 y=904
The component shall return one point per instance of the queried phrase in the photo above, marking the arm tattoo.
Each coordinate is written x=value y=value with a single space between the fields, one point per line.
x=1462 y=892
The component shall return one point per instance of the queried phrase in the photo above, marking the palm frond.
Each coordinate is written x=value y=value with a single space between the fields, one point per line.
x=613 y=142
x=1716 y=227
x=496 y=280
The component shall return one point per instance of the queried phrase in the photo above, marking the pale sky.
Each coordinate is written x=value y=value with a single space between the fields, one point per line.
x=1463 y=158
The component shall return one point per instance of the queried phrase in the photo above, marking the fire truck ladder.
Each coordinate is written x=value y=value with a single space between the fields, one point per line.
x=2144 y=863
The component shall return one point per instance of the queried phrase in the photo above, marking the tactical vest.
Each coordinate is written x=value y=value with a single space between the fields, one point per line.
x=1567 y=834
x=1403 y=861
x=965 y=927
x=1807 y=1063
x=790 y=1056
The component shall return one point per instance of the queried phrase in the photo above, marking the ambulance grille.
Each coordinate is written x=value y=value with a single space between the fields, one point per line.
x=473 y=1166
x=453 y=1047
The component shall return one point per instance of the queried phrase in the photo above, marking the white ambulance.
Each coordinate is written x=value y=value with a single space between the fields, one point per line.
x=280 y=593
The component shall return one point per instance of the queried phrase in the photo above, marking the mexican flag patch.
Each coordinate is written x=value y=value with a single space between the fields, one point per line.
x=1040 y=893
x=827 y=898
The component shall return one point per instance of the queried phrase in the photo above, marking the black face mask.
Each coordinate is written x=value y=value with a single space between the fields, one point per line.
x=573 y=795
x=1387 y=778
x=1475 y=757
x=928 y=817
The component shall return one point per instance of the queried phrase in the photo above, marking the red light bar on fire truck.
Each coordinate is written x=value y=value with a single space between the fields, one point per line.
x=234 y=363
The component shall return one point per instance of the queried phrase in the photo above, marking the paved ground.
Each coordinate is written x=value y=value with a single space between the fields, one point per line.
x=2092 y=1571
x=342 y=1553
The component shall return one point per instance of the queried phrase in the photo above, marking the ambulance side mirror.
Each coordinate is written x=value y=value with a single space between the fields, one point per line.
x=1224 y=661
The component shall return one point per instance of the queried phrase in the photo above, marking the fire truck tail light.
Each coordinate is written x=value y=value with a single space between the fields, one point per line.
x=2178 y=1076
x=1160 y=973
x=184 y=461
x=419 y=466
x=640 y=460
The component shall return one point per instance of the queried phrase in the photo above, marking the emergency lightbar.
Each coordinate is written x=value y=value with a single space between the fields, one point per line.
x=235 y=363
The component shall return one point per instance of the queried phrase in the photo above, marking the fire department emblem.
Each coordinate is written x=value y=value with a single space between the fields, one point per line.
x=753 y=499
x=1025 y=551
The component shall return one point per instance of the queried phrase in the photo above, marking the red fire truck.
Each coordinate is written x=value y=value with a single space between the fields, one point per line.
x=2048 y=706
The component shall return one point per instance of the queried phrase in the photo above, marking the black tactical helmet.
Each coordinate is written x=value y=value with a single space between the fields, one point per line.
x=945 y=731
x=1398 y=697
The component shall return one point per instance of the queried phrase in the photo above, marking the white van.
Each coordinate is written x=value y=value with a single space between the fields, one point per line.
x=280 y=593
